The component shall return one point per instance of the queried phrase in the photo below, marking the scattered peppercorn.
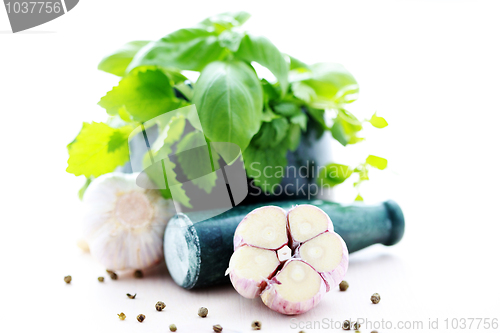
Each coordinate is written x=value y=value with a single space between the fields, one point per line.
x=302 y=331
x=141 y=318
x=343 y=286
x=356 y=326
x=122 y=316
x=202 y=312
x=100 y=279
x=173 y=328
x=357 y=331
x=217 y=328
x=256 y=325
x=138 y=274
x=374 y=331
x=131 y=296
x=67 y=279
x=112 y=275
x=159 y=306
x=375 y=298
x=346 y=325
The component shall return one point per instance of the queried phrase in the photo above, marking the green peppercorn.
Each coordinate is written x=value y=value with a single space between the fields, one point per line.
x=374 y=332
x=141 y=317
x=202 y=312
x=346 y=325
x=256 y=325
x=217 y=328
x=131 y=296
x=122 y=316
x=138 y=274
x=173 y=328
x=159 y=306
x=100 y=279
x=343 y=286
x=375 y=298
x=67 y=279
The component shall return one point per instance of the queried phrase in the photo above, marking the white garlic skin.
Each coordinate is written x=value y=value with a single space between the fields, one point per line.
x=123 y=223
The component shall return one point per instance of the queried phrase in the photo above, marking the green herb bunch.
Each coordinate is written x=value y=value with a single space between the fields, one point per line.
x=265 y=119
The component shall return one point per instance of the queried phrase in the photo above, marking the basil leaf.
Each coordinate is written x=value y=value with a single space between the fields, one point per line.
x=334 y=174
x=301 y=120
x=117 y=62
x=265 y=166
x=346 y=127
x=296 y=63
x=98 y=149
x=185 y=49
x=326 y=85
x=287 y=109
x=262 y=51
x=145 y=93
x=271 y=134
x=377 y=121
x=196 y=164
x=292 y=139
x=224 y=21
x=377 y=162
x=228 y=97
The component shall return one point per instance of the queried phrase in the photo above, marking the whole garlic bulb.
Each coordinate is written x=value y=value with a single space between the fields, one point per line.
x=123 y=223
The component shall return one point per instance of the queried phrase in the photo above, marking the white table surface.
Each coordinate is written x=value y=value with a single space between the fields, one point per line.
x=429 y=67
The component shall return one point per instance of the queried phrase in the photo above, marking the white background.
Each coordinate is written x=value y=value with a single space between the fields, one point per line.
x=431 y=68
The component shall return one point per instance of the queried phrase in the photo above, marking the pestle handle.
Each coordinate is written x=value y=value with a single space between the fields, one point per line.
x=197 y=254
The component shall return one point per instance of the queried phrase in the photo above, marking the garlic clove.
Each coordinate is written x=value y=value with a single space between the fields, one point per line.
x=124 y=223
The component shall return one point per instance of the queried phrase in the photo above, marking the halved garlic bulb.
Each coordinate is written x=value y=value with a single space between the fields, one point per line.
x=123 y=223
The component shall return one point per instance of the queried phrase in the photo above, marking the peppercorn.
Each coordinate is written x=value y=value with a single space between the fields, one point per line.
x=141 y=318
x=131 y=296
x=343 y=286
x=256 y=325
x=160 y=306
x=112 y=275
x=122 y=316
x=138 y=274
x=217 y=328
x=346 y=325
x=100 y=279
x=67 y=279
x=302 y=331
x=375 y=298
x=374 y=332
x=202 y=312
x=356 y=325
x=173 y=328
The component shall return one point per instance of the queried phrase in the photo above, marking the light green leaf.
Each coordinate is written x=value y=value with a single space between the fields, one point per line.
x=293 y=137
x=98 y=149
x=359 y=198
x=262 y=51
x=265 y=166
x=287 y=109
x=301 y=120
x=377 y=121
x=271 y=134
x=117 y=62
x=224 y=21
x=377 y=162
x=169 y=134
x=230 y=39
x=346 y=127
x=196 y=163
x=184 y=49
x=295 y=63
x=228 y=97
x=333 y=174
x=326 y=85
x=145 y=93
